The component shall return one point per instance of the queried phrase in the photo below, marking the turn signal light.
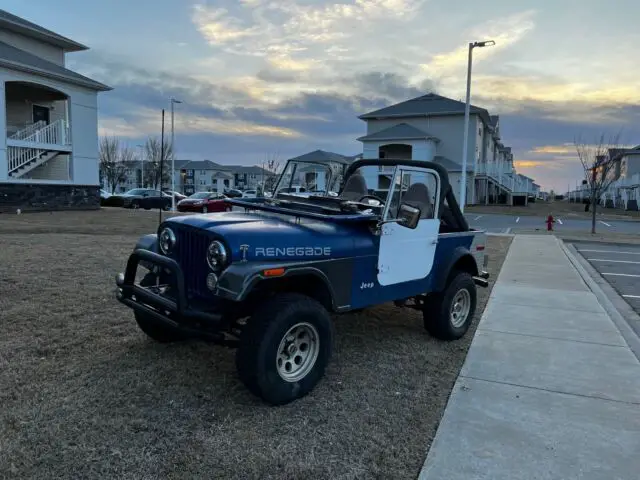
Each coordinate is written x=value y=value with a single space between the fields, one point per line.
x=273 y=272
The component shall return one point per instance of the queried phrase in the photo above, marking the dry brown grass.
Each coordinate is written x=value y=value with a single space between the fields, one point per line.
x=85 y=394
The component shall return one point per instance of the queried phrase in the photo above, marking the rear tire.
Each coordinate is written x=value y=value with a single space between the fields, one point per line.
x=151 y=327
x=285 y=348
x=448 y=315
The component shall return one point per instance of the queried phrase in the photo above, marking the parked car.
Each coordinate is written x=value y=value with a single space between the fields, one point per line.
x=249 y=194
x=294 y=189
x=146 y=198
x=205 y=202
x=179 y=196
x=233 y=192
x=268 y=280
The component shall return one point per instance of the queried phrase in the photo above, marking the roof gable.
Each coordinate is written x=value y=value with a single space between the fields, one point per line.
x=17 y=59
x=9 y=21
x=401 y=131
x=425 y=105
x=322 y=156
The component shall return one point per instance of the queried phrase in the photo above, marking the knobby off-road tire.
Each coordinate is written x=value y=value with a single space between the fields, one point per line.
x=157 y=331
x=282 y=321
x=447 y=315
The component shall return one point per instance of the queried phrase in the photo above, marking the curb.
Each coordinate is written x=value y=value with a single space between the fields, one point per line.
x=625 y=319
x=617 y=242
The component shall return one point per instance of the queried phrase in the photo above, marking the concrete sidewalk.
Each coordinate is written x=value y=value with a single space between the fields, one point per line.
x=549 y=389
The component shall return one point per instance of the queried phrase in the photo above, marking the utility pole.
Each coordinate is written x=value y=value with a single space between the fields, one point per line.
x=173 y=159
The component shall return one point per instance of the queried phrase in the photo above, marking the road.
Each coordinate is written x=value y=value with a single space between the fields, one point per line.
x=496 y=223
x=619 y=266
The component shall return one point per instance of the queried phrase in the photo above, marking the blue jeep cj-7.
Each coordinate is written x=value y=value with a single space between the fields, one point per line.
x=266 y=279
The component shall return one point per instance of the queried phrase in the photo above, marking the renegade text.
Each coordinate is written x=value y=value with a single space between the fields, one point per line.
x=293 y=251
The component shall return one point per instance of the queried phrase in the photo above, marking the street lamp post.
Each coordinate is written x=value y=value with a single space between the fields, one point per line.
x=173 y=158
x=465 y=141
x=141 y=166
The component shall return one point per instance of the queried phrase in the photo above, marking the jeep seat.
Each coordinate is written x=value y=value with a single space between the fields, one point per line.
x=417 y=195
x=355 y=188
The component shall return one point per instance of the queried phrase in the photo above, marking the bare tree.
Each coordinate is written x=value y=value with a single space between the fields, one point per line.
x=112 y=168
x=272 y=168
x=599 y=162
x=156 y=157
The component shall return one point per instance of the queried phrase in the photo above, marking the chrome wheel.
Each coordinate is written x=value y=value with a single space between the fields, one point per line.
x=460 y=308
x=297 y=352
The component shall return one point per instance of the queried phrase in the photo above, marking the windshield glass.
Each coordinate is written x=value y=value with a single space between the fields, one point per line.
x=201 y=195
x=136 y=191
x=304 y=178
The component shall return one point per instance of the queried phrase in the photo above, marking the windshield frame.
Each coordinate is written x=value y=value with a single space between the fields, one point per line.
x=325 y=166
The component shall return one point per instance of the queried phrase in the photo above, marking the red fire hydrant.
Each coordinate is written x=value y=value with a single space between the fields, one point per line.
x=550 y=222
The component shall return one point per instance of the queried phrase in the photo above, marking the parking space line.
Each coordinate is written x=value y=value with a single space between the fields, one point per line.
x=508 y=230
x=517 y=219
x=604 y=223
x=560 y=221
x=621 y=274
x=610 y=251
x=613 y=261
x=478 y=217
x=631 y=296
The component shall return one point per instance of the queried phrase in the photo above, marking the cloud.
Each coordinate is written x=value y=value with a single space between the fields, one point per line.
x=504 y=31
x=146 y=121
x=218 y=27
x=564 y=149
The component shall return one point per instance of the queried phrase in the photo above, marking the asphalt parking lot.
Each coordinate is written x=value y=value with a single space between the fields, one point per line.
x=619 y=265
x=496 y=223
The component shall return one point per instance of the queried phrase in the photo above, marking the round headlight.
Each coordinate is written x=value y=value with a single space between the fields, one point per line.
x=216 y=255
x=167 y=240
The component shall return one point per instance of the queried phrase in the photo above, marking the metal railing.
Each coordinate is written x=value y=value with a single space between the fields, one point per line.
x=56 y=133
x=18 y=157
x=28 y=131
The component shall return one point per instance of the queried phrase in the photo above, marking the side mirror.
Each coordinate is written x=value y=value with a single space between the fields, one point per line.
x=408 y=216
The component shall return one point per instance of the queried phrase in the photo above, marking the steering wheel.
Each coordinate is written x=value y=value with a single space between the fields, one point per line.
x=375 y=197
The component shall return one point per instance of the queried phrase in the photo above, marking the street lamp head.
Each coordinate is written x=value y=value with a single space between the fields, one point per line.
x=173 y=100
x=486 y=43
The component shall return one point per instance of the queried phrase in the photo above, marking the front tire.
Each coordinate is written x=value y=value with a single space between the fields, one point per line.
x=448 y=315
x=285 y=348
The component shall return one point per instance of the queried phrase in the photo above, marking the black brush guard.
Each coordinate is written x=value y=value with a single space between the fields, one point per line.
x=174 y=310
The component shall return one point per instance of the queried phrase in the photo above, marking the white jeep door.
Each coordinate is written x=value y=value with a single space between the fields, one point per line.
x=407 y=254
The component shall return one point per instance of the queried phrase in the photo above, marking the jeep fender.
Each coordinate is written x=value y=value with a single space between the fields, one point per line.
x=240 y=280
x=462 y=258
x=147 y=242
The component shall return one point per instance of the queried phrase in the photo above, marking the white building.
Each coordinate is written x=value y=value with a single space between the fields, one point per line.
x=624 y=189
x=49 y=121
x=431 y=128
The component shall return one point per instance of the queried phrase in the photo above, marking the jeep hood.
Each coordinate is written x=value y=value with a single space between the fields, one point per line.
x=274 y=236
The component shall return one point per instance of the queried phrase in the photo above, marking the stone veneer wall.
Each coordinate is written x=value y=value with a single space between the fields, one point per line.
x=44 y=197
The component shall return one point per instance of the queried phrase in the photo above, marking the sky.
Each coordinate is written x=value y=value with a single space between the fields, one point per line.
x=262 y=79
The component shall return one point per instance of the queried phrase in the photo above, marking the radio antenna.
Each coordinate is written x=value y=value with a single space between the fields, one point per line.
x=161 y=172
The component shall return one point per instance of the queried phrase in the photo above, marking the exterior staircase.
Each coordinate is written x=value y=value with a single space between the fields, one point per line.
x=28 y=159
x=37 y=146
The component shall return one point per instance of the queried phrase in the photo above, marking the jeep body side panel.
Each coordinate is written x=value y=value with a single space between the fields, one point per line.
x=459 y=245
x=367 y=291
x=237 y=282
